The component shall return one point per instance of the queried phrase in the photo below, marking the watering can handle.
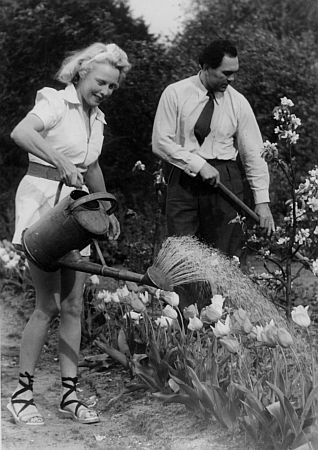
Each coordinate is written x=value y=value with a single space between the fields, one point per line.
x=103 y=196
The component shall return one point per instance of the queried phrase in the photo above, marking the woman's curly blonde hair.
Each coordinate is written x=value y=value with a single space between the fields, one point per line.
x=80 y=62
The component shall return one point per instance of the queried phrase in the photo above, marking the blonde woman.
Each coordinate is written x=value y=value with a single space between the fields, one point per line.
x=63 y=135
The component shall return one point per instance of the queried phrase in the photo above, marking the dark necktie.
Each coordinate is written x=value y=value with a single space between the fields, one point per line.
x=202 y=126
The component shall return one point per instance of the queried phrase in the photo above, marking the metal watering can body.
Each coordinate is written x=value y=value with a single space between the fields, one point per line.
x=71 y=224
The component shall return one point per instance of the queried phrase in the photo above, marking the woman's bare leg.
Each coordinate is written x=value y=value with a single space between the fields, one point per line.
x=72 y=284
x=47 y=288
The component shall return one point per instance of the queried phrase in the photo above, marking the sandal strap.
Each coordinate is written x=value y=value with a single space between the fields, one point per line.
x=71 y=388
x=70 y=383
x=26 y=386
x=25 y=403
x=70 y=402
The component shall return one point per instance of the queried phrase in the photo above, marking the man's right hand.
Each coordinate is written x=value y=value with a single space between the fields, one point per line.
x=210 y=174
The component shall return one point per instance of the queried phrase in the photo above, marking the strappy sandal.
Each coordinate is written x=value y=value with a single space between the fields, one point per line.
x=32 y=418
x=86 y=415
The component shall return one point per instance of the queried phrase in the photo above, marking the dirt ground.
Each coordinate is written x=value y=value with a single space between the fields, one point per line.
x=135 y=421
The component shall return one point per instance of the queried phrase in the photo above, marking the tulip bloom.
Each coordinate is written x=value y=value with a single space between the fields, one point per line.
x=222 y=329
x=257 y=332
x=300 y=316
x=114 y=297
x=94 y=279
x=209 y=315
x=284 y=338
x=133 y=316
x=232 y=345
x=172 y=298
x=105 y=295
x=144 y=297
x=136 y=304
x=164 y=322
x=195 y=324
x=270 y=333
x=173 y=385
x=190 y=312
x=123 y=292
x=217 y=303
x=168 y=311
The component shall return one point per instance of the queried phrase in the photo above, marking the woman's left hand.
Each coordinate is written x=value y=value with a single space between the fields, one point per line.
x=114 y=228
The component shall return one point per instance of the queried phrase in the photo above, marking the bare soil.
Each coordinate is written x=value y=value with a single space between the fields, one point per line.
x=135 y=421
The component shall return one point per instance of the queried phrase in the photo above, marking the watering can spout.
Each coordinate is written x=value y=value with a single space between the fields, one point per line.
x=152 y=277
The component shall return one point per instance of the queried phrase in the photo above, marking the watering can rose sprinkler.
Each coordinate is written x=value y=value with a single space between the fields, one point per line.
x=56 y=239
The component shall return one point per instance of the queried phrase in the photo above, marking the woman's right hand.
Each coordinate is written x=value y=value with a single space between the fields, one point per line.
x=70 y=174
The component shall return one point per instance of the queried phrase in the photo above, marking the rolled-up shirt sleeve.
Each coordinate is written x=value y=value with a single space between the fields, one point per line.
x=49 y=107
x=165 y=140
x=250 y=147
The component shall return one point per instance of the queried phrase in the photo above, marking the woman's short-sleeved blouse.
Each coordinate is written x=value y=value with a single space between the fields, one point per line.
x=64 y=128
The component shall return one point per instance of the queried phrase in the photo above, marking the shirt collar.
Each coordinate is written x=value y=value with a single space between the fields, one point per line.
x=70 y=95
x=203 y=90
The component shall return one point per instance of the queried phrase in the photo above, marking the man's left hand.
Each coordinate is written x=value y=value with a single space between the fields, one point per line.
x=266 y=220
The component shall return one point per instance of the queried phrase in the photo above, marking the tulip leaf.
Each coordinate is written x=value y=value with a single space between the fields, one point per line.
x=252 y=399
x=210 y=399
x=188 y=390
x=276 y=410
x=309 y=401
x=249 y=425
x=122 y=343
x=290 y=412
x=265 y=423
x=176 y=398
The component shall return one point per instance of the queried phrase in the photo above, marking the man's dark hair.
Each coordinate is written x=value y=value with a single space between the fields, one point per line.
x=213 y=54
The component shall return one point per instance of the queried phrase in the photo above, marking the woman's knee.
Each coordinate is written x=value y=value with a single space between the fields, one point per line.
x=72 y=306
x=45 y=314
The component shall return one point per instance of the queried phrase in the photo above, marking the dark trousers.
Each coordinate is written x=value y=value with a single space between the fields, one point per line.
x=195 y=208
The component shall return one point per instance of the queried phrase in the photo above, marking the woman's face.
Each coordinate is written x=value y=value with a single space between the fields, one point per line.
x=98 y=84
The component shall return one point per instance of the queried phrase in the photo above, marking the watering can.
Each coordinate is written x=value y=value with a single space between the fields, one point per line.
x=56 y=239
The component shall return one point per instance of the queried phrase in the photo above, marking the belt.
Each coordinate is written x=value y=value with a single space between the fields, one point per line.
x=219 y=162
x=42 y=171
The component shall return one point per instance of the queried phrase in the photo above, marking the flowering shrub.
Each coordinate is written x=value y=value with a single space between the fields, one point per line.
x=296 y=235
x=13 y=266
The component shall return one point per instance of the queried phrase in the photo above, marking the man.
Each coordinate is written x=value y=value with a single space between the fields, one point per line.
x=201 y=125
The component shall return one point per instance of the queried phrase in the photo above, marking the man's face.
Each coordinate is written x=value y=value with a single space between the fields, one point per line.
x=218 y=79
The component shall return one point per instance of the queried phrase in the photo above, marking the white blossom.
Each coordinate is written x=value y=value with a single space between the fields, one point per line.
x=315 y=267
x=313 y=204
x=302 y=235
x=133 y=316
x=284 y=101
x=282 y=240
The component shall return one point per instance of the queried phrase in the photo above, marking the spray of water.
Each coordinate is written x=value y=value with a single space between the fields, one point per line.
x=185 y=260
x=196 y=271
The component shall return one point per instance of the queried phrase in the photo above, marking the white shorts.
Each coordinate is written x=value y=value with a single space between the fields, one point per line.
x=34 y=197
